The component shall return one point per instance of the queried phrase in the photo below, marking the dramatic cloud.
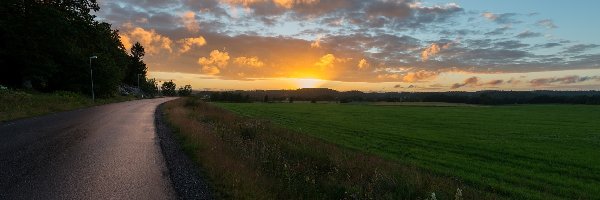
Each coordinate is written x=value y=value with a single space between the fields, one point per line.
x=153 y=42
x=345 y=40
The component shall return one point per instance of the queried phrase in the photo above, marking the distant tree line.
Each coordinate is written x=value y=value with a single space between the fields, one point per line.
x=236 y=97
x=480 y=97
x=47 y=45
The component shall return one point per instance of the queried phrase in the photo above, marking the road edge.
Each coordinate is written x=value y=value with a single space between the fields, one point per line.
x=185 y=176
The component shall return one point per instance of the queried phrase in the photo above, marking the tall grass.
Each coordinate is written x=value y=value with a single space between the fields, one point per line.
x=247 y=158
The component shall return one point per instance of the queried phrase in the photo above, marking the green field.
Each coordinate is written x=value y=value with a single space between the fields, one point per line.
x=528 y=151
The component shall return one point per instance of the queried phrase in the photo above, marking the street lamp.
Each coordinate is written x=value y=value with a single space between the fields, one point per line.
x=159 y=94
x=139 y=89
x=92 y=77
x=138 y=79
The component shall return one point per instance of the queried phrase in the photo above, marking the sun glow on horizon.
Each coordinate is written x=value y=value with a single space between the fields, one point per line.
x=309 y=82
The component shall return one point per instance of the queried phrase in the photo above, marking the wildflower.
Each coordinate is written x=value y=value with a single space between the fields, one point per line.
x=458 y=195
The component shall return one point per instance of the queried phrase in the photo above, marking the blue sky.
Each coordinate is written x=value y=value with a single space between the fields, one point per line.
x=577 y=19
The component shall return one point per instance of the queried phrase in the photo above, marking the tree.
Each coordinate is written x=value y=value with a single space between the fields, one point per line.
x=185 y=90
x=168 y=88
x=136 y=68
x=149 y=87
x=50 y=42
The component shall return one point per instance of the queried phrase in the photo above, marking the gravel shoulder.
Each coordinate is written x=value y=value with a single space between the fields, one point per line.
x=186 y=178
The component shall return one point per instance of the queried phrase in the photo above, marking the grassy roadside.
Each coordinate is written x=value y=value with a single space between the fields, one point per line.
x=19 y=104
x=247 y=158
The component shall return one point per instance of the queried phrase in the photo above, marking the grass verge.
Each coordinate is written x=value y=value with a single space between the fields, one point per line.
x=246 y=158
x=19 y=104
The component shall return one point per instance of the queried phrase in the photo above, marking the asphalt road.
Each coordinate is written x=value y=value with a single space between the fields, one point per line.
x=104 y=152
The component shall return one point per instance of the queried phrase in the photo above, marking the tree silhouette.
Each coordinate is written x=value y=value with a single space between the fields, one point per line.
x=168 y=88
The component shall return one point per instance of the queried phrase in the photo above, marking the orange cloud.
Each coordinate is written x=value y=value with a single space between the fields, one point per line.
x=214 y=63
x=326 y=61
x=316 y=43
x=189 y=21
x=153 y=42
x=248 y=61
x=433 y=49
x=419 y=76
x=362 y=64
x=188 y=43
x=430 y=51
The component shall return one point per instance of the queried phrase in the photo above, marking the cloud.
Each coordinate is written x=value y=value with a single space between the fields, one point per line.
x=546 y=23
x=562 y=80
x=189 y=21
x=214 y=63
x=430 y=51
x=326 y=61
x=510 y=44
x=494 y=82
x=528 y=34
x=316 y=43
x=498 y=31
x=363 y=64
x=363 y=41
x=468 y=82
x=153 y=42
x=504 y=18
x=188 y=43
x=490 y=16
x=248 y=61
x=419 y=76
x=579 y=48
x=433 y=49
x=549 y=45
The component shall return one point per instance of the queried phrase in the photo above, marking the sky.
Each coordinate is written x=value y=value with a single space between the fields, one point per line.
x=378 y=45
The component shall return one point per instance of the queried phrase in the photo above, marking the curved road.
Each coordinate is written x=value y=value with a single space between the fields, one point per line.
x=103 y=152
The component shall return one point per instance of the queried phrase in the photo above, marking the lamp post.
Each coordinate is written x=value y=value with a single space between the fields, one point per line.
x=159 y=94
x=92 y=77
x=139 y=89
x=138 y=79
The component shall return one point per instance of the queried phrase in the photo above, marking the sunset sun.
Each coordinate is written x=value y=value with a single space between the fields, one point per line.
x=309 y=82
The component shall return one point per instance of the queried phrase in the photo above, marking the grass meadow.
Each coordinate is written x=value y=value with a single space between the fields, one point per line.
x=516 y=152
x=249 y=158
